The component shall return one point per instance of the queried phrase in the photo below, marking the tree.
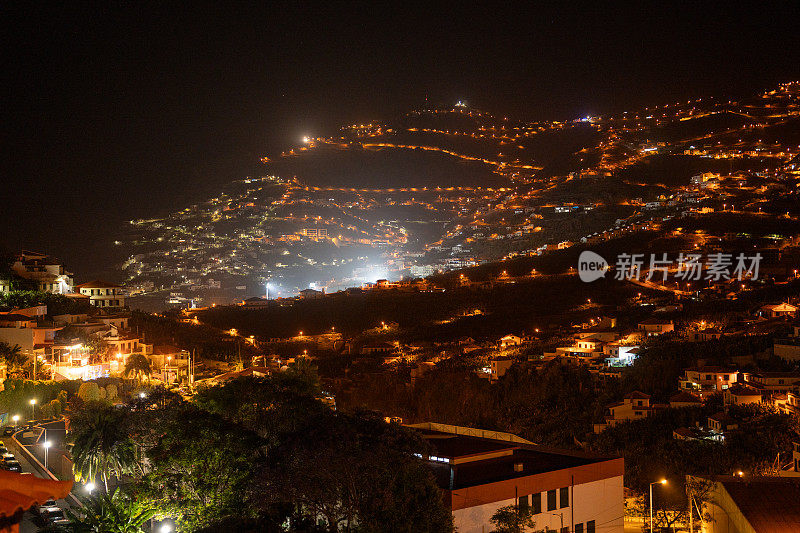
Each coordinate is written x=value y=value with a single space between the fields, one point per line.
x=198 y=467
x=14 y=358
x=513 y=519
x=101 y=445
x=353 y=470
x=110 y=513
x=270 y=406
x=89 y=391
x=138 y=365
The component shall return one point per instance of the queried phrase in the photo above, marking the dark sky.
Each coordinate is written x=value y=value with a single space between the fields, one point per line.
x=113 y=113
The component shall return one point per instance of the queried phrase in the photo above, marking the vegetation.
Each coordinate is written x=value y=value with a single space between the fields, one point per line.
x=13 y=357
x=513 y=519
x=260 y=454
x=56 y=303
x=109 y=513
x=101 y=445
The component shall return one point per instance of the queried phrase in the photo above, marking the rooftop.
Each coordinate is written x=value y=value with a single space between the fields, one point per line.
x=480 y=460
x=97 y=284
x=770 y=504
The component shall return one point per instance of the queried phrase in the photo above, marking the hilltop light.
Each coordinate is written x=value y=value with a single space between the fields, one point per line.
x=306 y=139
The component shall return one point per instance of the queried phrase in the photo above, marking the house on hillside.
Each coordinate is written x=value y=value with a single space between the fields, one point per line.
x=685 y=399
x=499 y=366
x=311 y=294
x=635 y=406
x=740 y=394
x=783 y=309
x=102 y=294
x=708 y=379
x=721 y=422
x=510 y=340
x=655 y=326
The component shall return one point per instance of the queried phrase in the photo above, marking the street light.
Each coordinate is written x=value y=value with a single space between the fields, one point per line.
x=15 y=418
x=662 y=482
x=142 y=395
x=89 y=487
x=46 y=445
x=33 y=408
x=165 y=528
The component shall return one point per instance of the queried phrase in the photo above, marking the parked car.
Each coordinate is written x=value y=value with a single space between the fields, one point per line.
x=54 y=516
x=12 y=466
x=3 y=449
x=7 y=456
x=8 y=431
x=46 y=505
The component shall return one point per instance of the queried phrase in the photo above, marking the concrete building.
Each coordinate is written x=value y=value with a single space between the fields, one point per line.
x=634 y=406
x=779 y=310
x=102 y=294
x=482 y=471
x=498 y=367
x=708 y=379
x=655 y=326
x=751 y=504
x=740 y=394
x=45 y=272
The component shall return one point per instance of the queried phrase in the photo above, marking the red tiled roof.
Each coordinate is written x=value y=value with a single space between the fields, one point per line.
x=743 y=390
x=97 y=284
x=637 y=395
x=685 y=397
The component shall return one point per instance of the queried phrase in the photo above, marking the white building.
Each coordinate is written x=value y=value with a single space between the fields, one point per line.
x=48 y=274
x=481 y=471
x=103 y=294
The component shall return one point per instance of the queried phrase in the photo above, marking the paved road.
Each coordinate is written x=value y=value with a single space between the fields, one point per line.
x=30 y=523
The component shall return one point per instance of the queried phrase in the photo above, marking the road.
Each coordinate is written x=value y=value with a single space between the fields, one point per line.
x=30 y=522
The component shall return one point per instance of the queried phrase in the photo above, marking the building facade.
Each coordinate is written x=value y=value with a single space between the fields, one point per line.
x=481 y=471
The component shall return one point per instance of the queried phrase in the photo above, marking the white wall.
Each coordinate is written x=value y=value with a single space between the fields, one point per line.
x=601 y=501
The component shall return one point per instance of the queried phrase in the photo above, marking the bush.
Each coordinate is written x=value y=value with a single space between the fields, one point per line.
x=57 y=407
x=111 y=392
x=89 y=391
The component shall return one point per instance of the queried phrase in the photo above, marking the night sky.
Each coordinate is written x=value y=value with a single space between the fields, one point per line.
x=133 y=111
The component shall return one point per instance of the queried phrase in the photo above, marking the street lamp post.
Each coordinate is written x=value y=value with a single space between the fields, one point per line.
x=46 y=445
x=662 y=482
x=33 y=408
x=15 y=418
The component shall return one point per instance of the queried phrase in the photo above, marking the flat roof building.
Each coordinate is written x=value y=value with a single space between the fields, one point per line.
x=481 y=471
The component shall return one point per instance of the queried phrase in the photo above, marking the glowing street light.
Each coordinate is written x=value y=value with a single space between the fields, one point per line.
x=46 y=445
x=33 y=408
x=89 y=487
x=165 y=528
x=661 y=482
x=143 y=395
x=15 y=418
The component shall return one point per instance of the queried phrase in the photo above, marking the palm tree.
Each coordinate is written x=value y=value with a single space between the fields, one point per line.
x=110 y=513
x=101 y=445
x=13 y=357
x=138 y=365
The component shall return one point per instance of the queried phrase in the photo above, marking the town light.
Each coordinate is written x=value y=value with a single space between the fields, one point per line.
x=165 y=528
x=142 y=395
